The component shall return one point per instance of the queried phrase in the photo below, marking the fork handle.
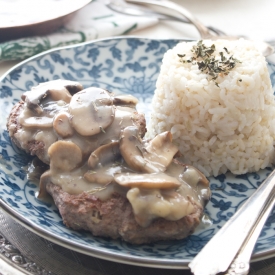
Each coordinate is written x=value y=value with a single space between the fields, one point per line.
x=240 y=265
x=228 y=241
x=203 y=30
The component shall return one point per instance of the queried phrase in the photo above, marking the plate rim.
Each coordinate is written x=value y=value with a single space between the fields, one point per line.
x=97 y=252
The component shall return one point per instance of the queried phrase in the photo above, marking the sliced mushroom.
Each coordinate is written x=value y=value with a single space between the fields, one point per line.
x=161 y=150
x=131 y=149
x=73 y=87
x=104 y=154
x=38 y=122
x=104 y=175
x=86 y=144
x=92 y=111
x=147 y=181
x=157 y=155
x=96 y=177
x=44 y=179
x=192 y=175
x=125 y=100
x=124 y=116
x=64 y=155
x=56 y=89
x=62 y=125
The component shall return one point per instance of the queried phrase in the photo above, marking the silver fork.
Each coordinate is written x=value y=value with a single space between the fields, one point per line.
x=240 y=264
x=136 y=10
x=231 y=248
x=205 y=33
x=181 y=11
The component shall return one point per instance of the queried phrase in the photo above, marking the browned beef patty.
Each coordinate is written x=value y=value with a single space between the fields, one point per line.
x=34 y=148
x=37 y=148
x=114 y=218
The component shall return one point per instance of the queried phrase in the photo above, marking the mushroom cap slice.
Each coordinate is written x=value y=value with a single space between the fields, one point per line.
x=96 y=177
x=104 y=175
x=92 y=111
x=104 y=154
x=125 y=100
x=38 y=122
x=62 y=125
x=130 y=146
x=151 y=159
x=161 y=151
x=44 y=179
x=192 y=175
x=56 y=89
x=64 y=155
x=73 y=87
x=147 y=181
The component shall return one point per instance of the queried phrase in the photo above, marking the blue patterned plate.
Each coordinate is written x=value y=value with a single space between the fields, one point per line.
x=124 y=65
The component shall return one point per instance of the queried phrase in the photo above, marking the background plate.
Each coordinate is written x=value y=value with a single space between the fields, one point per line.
x=122 y=65
x=23 y=18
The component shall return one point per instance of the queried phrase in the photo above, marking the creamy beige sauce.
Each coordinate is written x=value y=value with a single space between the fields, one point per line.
x=75 y=183
x=143 y=171
x=40 y=130
x=172 y=204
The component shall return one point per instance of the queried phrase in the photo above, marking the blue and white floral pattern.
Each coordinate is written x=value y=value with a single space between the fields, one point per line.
x=121 y=65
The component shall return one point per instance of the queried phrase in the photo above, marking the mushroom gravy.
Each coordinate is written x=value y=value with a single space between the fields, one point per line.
x=92 y=141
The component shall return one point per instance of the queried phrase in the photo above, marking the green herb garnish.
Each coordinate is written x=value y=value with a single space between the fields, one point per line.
x=207 y=63
x=95 y=190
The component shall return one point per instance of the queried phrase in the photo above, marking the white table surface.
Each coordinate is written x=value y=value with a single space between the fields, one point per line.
x=253 y=18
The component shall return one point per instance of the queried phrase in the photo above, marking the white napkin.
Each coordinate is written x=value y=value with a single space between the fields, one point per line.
x=91 y=22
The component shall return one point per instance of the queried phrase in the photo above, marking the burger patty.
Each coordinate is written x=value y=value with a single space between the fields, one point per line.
x=114 y=218
x=34 y=147
x=103 y=176
x=37 y=148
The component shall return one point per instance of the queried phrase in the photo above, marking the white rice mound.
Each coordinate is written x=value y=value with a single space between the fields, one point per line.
x=230 y=127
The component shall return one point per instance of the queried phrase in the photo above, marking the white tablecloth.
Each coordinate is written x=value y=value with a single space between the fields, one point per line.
x=253 y=18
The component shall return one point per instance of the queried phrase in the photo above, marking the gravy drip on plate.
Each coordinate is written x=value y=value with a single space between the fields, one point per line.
x=92 y=141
